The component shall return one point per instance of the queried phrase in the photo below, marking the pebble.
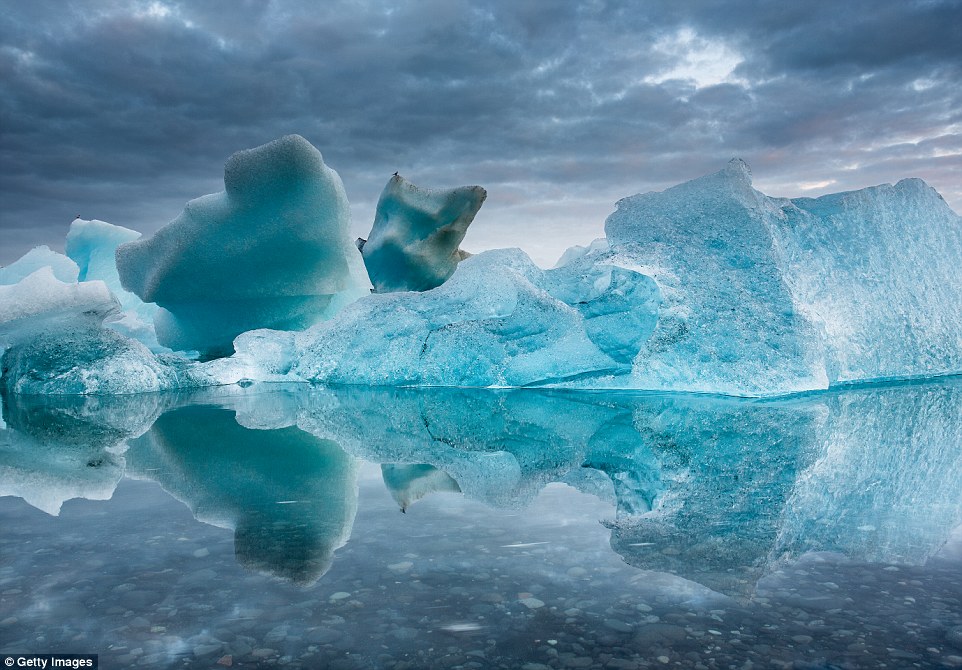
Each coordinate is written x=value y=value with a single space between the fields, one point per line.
x=619 y=626
x=207 y=649
x=532 y=603
x=264 y=652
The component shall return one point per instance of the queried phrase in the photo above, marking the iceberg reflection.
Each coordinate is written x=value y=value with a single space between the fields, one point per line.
x=718 y=491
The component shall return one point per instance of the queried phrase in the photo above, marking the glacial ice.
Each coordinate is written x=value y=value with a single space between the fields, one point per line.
x=62 y=267
x=880 y=272
x=413 y=245
x=273 y=250
x=52 y=341
x=764 y=296
x=728 y=321
x=490 y=324
x=709 y=286
x=92 y=245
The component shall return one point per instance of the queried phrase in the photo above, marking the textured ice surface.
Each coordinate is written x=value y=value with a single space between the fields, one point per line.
x=619 y=304
x=728 y=322
x=880 y=271
x=273 y=250
x=92 y=245
x=764 y=296
x=490 y=324
x=62 y=267
x=55 y=341
x=413 y=245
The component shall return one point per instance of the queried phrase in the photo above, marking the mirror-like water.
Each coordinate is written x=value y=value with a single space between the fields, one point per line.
x=262 y=527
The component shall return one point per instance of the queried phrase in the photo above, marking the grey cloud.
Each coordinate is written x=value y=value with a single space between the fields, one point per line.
x=120 y=113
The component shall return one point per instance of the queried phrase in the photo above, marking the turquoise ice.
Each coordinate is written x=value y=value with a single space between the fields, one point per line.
x=273 y=250
x=413 y=245
x=92 y=245
x=764 y=295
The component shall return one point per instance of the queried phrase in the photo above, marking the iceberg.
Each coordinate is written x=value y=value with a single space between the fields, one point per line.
x=272 y=250
x=709 y=286
x=53 y=341
x=92 y=245
x=413 y=245
x=763 y=296
x=728 y=322
x=62 y=267
x=490 y=324
x=880 y=272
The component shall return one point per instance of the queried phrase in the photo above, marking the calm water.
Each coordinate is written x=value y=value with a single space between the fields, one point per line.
x=263 y=527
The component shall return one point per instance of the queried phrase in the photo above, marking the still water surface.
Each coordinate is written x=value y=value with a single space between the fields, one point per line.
x=263 y=527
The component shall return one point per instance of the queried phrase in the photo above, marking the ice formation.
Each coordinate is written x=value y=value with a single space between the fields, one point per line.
x=413 y=245
x=765 y=296
x=272 y=250
x=62 y=267
x=92 y=245
x=489 y=325
x=55 y=341
x=709 y=286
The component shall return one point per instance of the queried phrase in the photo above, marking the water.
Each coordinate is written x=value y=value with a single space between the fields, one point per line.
x=263 y=527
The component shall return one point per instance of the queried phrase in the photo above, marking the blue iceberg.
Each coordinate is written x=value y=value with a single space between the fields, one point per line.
x=710 y=286
x=273 y=250
x=413 y=245
x=92 y=245
x=765 y=295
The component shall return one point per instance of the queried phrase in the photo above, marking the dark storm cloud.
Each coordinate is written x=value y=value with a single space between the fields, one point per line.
x=124 y=110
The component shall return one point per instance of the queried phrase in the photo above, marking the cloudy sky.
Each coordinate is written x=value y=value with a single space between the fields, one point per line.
x=123 y=111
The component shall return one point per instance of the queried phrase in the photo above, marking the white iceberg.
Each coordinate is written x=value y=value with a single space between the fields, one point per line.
x=62 y=267
x=92 y=245
x=53 y=341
